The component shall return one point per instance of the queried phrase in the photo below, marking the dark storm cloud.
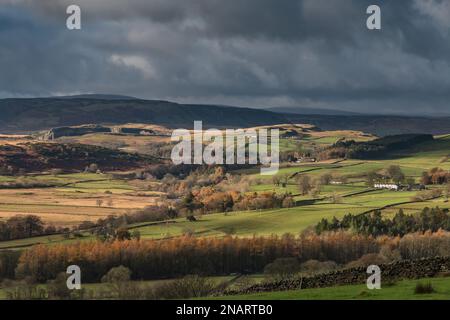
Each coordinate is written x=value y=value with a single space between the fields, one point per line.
x=314 y=53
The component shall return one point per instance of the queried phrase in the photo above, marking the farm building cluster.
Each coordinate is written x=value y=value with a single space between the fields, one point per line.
x=399 y=187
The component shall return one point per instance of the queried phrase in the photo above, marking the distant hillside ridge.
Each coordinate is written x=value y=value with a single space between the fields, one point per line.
x=309 y=111
x=37 y=114
x=28 y=115
x=380 y=125
x=98 y=97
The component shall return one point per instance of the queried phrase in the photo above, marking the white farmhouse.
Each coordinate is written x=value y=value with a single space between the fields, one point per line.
x=389 y=186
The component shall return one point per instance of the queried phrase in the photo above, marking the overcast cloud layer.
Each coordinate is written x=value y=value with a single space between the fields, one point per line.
x=260 y=53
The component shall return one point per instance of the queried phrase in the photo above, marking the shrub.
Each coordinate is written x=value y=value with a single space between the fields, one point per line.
x=315 y=266
x=422 y=288
x=282 y=268
x=188 y=287
x=118 y=279
x=117 y=275
x=57 y=288
x=123 y=234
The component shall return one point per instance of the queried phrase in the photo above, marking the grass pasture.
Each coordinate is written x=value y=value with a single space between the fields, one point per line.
x=75 y=198
x=271 y=222
x=263 y=222
x=402 y=290
x=103 y=290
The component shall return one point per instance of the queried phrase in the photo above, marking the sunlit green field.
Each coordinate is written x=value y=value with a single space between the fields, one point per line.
x=80 y=191
x=402 y=290
x=413 y=162
x=326 y=189
x=69 y=199
x=268 y=222
x=280 y=221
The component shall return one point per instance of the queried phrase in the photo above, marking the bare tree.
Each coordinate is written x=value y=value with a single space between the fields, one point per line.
x=304 y=184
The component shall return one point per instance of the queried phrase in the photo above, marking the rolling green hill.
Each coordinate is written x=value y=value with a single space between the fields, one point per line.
x=380 y=125
x=355 y=197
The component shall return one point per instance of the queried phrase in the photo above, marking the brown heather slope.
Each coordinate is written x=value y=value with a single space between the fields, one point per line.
x=33 y=157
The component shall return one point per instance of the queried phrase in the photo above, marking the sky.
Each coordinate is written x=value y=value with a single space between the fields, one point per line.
x=254 y=53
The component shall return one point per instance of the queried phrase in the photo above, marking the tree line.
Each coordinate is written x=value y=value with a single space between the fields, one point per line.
x=375 y=224
x=176 y=257
x=25 y=226
x=436 y=176
x=374 y=149
x=209 y=200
